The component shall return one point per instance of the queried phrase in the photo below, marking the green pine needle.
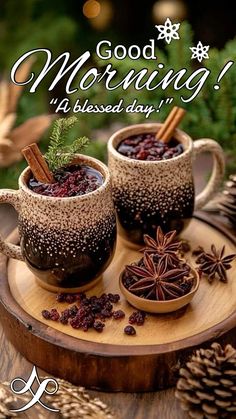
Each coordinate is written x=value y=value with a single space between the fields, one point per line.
x=59 y=154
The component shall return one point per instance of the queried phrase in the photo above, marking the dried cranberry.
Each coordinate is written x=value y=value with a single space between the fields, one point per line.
x=104 y=298
x=84 y=326
x=114 y=298
x=86 y=301
x=90 y=313
x=130 y=330
x=83 y=311
x=98 y=326
x=119 y=314
x=54 y=315
x=61 y=297
x=108 y=306
x=70 y=298
x=66 y=313
x=137 y=317
x=46 y=314
x=73 y=311
x=96 y=308
x=64 y=319
x=106 y=313
x=75 y=323
x=80 y=296
x=89 y=320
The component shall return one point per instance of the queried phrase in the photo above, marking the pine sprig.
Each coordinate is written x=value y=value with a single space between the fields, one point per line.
x=60 y=154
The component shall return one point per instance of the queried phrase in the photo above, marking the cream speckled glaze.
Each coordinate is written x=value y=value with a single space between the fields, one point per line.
x=152 y=193
x=66 y=242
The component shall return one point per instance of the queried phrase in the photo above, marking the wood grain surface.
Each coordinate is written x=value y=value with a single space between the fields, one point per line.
x=211 y=305
x=163 y=344
x=156 y=405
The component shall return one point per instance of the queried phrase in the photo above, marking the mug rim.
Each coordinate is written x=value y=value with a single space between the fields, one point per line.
x=85 y=159
x=151 y=125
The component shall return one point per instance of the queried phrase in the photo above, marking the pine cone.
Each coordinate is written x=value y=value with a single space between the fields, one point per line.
x=227 y=202
x=207 y=387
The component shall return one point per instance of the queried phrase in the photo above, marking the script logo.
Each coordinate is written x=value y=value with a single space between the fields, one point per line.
x=36 y=395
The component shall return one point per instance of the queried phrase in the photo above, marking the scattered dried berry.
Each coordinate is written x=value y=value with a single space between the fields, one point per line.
x=106 y=313
x=75 y=323
x=137 y=317
x=129 y=330
x=98 y=326
x=70 y=298
x=63 y=319
x=96 y=308
x=60 y=298
x=80 y=296
x=46 y=314
x=54 y=315
x=118 y=314
x=88 y=314
x=73 y=310
x=114 y=298
x=108 y=306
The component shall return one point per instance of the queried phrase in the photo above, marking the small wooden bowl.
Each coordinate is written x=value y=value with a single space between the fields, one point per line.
x=167 y=306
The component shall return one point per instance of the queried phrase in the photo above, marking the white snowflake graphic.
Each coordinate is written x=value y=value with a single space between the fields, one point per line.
x=200 y=52
x=168 y=31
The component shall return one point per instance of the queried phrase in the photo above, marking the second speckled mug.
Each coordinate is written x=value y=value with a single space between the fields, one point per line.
x=152 y=193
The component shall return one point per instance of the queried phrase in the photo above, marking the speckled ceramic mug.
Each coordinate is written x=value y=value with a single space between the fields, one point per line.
x=152 y=193
x=66 y=242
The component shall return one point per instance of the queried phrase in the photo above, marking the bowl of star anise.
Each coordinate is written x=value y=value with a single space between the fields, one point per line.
x=161 y=281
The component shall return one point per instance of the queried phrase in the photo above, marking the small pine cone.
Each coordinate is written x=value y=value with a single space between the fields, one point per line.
x=227 y=202
x=207 y=385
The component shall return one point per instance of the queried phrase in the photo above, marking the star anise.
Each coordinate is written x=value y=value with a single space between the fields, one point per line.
x=164 y=245
x=215 y=263
x=155 y=281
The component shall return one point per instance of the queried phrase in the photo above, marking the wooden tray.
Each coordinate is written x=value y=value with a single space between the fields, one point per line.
x=112 y=360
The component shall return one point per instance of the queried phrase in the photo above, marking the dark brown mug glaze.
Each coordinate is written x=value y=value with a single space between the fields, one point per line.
x=65 y=258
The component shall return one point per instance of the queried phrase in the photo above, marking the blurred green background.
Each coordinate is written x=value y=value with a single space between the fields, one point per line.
x=77 y=26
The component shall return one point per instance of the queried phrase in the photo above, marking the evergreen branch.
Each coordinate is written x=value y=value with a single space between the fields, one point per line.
x=59 y=154
x=79 y=144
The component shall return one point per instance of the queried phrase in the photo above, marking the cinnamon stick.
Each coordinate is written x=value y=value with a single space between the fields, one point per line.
x=172 y=121
x=38 y=164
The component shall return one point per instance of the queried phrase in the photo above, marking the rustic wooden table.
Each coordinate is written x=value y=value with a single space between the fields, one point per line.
x=158 y=405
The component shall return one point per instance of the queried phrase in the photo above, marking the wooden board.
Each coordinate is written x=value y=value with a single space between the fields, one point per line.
x=112 y=360
x=161 y=404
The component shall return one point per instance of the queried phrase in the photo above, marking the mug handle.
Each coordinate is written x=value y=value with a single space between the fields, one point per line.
x=8 y=196
x=200 y=146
